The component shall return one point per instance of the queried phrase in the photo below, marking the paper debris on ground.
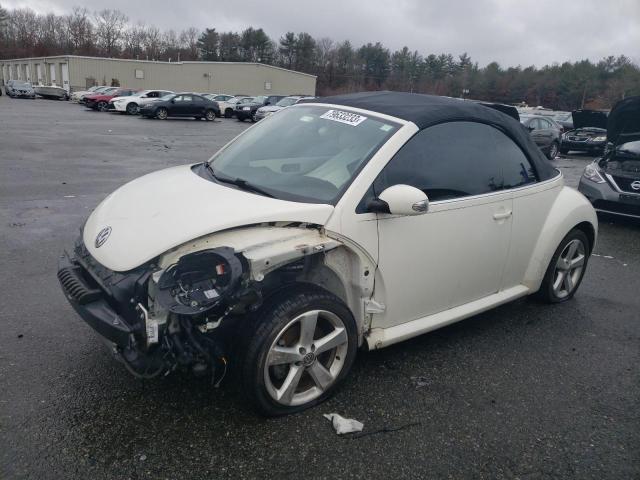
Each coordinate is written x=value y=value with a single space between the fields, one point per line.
x=343 y=425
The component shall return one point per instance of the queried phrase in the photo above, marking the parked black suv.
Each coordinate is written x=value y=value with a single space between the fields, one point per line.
x=181 y=105
x=248 y=110
x=612 y=183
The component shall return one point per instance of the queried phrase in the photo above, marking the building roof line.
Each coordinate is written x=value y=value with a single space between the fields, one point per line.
x=197 y=62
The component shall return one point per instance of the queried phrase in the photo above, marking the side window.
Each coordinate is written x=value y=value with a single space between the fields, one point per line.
x=178 y=98
x=152 y=95
x=186 y=98
x=544 y=123
x=534 y=124
x=457 y=159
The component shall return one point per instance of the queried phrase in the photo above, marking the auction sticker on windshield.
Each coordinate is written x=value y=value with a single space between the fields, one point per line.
x=349 y=118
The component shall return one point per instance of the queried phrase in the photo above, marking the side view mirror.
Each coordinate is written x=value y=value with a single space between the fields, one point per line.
x=400 y=200
x=173 y=100
x=267 y=103
x=530 y=128
x=143 y=96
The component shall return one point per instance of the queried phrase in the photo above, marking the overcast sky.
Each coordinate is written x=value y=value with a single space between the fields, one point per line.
x=511 y=32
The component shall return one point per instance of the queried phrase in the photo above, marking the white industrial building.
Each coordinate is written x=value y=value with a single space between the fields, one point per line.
x=77 y=73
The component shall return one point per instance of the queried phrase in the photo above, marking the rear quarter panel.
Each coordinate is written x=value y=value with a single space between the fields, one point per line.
x=544 y=219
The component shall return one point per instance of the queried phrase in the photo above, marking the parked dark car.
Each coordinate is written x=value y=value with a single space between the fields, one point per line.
x=181 y=105
x=100 y=101
x=545 y=132
x=248 y=110
x=19 y=89
x=589 y=134
x=612 y=183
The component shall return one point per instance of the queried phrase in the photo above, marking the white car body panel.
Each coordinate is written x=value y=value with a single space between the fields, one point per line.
x=165 y=209
x=462 y=257
x=120 y=103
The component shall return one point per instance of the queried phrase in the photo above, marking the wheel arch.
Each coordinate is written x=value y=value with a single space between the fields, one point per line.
x=569 y=211
x=277 y=257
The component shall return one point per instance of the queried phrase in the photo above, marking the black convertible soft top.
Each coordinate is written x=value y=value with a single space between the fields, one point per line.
x=429 y=110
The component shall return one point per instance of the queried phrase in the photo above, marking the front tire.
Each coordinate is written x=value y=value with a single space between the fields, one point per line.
x=162 y=113
x=301 y=349
x=566 y=269
x=102 y=106
x=210 y=115
x=133 y=108
x=553 y=150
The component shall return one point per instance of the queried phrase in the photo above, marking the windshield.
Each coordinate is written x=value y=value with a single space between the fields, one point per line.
x=167 y=97
x=307 y=153
x=246 y=100
x=18 y=83
x=259 y=99
x=287 y=101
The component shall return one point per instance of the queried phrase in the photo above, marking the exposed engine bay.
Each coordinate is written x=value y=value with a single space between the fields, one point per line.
x=184 y=309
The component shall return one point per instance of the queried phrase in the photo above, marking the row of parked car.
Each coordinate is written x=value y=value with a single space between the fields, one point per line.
x=163 y=104
x=562 y=132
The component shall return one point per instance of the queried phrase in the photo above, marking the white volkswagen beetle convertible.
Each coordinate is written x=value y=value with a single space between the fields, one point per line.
x=344 y=223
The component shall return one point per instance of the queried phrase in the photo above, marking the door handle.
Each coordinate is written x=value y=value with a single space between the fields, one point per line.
x=502 y=216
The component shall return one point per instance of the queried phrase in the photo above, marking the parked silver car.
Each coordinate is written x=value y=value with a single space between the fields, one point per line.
x=19 y=89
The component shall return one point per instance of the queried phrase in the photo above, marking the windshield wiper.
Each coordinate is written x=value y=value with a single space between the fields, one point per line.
x=238 y=182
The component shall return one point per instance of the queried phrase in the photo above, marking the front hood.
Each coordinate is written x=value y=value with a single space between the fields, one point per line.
x=589 y=132
x=157 y=212
x=270 y=109
x=99 y=98
x=589 y=118
x=624 y=121
x=116 y=99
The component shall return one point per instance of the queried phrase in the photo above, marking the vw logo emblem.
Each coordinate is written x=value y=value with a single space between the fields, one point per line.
x=102 y=236
x=636 y=185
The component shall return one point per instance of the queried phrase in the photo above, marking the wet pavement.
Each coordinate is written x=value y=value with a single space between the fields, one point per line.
x=524 y=391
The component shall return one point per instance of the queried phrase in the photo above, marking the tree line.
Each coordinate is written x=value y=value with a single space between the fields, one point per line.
x=339 y=66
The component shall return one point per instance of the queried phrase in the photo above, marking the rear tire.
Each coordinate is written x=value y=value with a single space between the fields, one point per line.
x=298 y=353
x=553 y=150
x=210 y=115
x=566 y=269
x=102 y=106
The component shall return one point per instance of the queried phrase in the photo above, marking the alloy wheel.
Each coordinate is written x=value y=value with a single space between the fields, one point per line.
x=306 y=357
x=162 y=114
x=569 y=268
x=553 y=151
x=132 y=109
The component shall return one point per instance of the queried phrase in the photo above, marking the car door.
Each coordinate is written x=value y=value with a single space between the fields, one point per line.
x=197 y=105
x=182 y=106
x=546 y=132
x=456 y=252
x=537 y=135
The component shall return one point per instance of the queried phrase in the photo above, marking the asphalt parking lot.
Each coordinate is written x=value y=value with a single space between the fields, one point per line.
x=525 y=391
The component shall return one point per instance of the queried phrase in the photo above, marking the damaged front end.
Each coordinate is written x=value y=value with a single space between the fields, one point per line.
x=188 y=308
